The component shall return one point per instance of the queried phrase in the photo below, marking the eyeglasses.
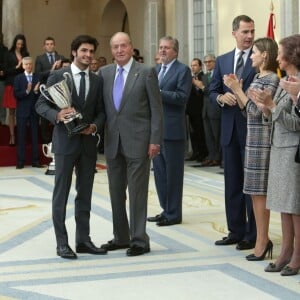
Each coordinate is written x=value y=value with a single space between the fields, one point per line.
x=208 y=61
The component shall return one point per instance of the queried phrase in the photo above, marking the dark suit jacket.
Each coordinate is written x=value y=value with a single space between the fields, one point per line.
x=25 y=102
x=175 y=90
x=92 y=111
x=43 y=66
x=231 y=116
x=10 y=67
x=209 y=109
x=195 y=102
x=3 y=57
x=138 y=122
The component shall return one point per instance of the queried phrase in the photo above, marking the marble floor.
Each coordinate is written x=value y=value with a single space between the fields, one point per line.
x=183 y=263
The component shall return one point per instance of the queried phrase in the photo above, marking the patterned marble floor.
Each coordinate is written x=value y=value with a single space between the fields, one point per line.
x=183 y=262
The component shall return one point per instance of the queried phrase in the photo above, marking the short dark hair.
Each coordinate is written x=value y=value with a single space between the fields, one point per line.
x=49 y=38
x=291 y=49
x=237 y=20
x=83 y=39
x=198 y=60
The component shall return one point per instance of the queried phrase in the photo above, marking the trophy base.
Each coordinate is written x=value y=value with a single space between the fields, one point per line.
x=51 y=169
x=74 y=127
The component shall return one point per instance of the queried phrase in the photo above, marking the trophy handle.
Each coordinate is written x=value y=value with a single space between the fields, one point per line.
x=42 y=90
x=68 y=77
x=44 y=147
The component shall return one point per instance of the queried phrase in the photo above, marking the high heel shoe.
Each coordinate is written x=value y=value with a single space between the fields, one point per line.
x=268 y=251
x=273 y=267
x=12 y=141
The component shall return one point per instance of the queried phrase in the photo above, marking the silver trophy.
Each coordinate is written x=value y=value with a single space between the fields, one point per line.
x=47 y=151
x=61 y=95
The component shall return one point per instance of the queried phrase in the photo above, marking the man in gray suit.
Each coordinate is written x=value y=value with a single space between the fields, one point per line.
x=79 y=151
x=132 y=137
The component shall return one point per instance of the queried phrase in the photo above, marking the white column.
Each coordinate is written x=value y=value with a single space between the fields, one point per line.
x=154 y=28
x=12 y=20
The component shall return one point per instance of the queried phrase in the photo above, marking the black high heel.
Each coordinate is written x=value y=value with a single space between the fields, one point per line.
x=268 y=251
x=12 y=141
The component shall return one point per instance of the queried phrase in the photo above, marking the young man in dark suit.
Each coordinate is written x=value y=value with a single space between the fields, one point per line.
x=238 y=206
x=175 y=86
x=79 y=151
x=45 y=63
x=194 y=108
x=26 y=90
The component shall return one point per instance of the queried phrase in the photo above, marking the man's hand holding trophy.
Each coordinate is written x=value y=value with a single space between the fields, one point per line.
x=61 y=95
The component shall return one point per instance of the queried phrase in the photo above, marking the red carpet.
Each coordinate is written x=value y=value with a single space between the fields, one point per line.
x=8 y=154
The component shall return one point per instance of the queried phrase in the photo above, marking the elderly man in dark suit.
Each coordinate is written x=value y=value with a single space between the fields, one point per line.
x=238 y=206
x=211 y=114
x=132 y=137
x=175 y=86
x=26 y=90
x=79 y=151
x=45 y=63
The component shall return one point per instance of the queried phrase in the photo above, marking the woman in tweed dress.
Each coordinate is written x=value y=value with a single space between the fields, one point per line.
x=258 y=146
x=283 y=186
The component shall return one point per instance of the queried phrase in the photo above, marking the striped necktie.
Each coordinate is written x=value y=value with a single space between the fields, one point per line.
x=239 y=65
x=162 y=73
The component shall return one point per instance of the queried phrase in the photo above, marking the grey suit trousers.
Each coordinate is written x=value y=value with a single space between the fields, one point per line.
x=134 y=173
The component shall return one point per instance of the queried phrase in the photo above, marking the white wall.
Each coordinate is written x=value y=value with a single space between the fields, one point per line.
x=258 y=10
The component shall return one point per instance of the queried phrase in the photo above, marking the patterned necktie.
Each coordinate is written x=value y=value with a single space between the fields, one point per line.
x=82 y=86
x=162 y=73
x=239 y=65
x=118 y=88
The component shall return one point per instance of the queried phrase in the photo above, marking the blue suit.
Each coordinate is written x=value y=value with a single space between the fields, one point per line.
x=238 y=206
x=169 y=165
x=26 y=113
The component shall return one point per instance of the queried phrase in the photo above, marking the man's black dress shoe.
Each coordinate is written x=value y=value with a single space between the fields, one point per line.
x=37 y=165
x=137 y=250
x=65 y=251
x=89 y=247
x=165 y=222
x=156 y=218
x=19 y=166
x=226 y=241
x=245 y=245
x=111 y=245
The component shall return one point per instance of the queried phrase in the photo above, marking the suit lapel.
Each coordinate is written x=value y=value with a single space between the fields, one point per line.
x=169 y=73
x=130 y=81
x=109 y=82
